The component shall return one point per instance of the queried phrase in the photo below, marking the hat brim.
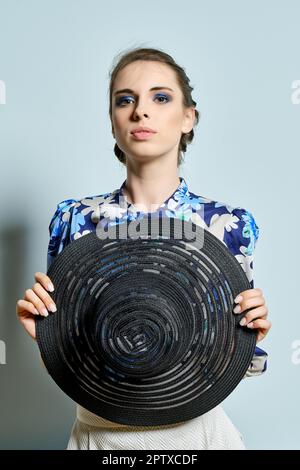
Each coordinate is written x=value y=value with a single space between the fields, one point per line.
x=144 y=332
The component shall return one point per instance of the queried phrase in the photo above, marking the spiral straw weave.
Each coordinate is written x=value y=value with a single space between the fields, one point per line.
x=144 y=332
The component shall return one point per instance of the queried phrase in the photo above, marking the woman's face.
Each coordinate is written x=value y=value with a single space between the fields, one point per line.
x=161 y=110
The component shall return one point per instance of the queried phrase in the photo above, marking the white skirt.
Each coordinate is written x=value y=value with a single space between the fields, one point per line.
x=211 y=431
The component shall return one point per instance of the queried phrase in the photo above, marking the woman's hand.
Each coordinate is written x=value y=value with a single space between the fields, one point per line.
x=36 y=302
x=257 y=316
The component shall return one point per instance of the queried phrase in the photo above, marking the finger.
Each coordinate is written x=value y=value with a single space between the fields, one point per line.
x=25 y=306
x=259 y=312
x=249 y=303
x=46 y=298
x=28 y=323
x=247 y=294
x=260 y=323
x=44 y=280
x=33 y=298
x=261 y=334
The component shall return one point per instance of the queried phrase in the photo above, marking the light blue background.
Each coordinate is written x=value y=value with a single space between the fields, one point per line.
x=55 y=142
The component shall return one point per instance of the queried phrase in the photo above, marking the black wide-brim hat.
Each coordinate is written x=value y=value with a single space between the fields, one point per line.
x=144 y=332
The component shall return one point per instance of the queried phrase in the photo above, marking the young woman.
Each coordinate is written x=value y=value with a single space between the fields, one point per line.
x=152 y=116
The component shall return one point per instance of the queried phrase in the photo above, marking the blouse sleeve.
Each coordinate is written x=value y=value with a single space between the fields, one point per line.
x=59 y=229
x=242 y=236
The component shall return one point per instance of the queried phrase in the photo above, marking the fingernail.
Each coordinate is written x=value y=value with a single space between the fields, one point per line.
x=53 y=308
x=44 y=312
x=250 y=325
x=237 y=309
x=238 y=299
x=50 y=287
x=243 y=321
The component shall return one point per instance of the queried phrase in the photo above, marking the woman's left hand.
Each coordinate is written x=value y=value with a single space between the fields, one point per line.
x=257 y=316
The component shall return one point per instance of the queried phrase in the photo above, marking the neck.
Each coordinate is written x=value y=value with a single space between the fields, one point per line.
x=149 y=191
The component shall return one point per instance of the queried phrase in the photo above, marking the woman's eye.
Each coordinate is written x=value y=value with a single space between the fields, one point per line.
x=164 y=97
x=122 y=100
x=125 y=99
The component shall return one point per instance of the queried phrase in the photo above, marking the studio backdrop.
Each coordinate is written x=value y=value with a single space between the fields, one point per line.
x=56 y=143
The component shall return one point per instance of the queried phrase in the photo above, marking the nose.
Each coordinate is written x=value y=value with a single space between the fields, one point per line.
x=139 y=112
x=145 y=115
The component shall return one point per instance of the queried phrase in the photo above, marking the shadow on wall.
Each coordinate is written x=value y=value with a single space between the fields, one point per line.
x=34 y=412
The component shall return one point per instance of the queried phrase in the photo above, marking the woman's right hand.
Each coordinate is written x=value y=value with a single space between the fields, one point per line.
x=36 y=302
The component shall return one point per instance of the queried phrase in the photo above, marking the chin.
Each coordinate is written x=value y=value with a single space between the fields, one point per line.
x=142 y=154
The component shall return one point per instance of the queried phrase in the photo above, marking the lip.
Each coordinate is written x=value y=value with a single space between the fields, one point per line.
x=142 y=135
x=143 y=129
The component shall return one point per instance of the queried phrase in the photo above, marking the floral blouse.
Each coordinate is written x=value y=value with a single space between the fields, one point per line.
x=235 y=227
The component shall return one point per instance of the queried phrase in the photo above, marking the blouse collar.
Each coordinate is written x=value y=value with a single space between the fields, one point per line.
x=180 y=192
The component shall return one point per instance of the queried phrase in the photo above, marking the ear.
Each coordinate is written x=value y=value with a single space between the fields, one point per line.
x=188 y=120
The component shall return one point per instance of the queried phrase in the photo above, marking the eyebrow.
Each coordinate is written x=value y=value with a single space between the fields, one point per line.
x=127 y=90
